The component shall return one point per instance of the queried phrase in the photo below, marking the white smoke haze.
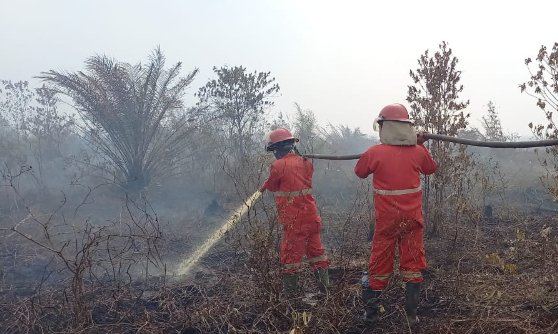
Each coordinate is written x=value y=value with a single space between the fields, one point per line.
x=131 y=152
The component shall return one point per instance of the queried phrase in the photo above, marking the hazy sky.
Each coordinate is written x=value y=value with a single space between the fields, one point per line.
x=342 y=59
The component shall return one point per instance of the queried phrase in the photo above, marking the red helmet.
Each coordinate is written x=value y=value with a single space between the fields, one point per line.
x=278 y=135
x=394 y=112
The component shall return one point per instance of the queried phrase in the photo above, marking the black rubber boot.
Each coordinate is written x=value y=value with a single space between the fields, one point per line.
x=412 y=293
x=371 y=300
x=322 y=277
x=290 y=285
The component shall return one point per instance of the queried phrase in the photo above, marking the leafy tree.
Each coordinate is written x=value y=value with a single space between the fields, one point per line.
x=280 y=120
x=30 y=112
x=125 y=111
x=471 y=133
x=48 y=126
x=305 y=127
x=543 y=86
x=33 y=126
x=434 y=95
x=436 y=107
x=492 y=125
x=16 y=106
x=342 y=138
x=47 y=123
x=236 y=100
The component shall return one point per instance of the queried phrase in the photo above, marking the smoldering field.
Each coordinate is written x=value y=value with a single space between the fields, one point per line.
x=100 y=206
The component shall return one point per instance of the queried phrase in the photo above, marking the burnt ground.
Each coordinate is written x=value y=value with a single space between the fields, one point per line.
x=498 y=278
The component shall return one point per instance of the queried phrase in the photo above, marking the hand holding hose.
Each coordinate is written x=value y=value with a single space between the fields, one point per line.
x=421 y=138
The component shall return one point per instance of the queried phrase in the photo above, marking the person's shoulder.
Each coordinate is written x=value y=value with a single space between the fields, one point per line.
x=292 y=157
x=286 y=160
x=295 y=160
x=382 y=148
x=278 y=163
x=420 y=148
x=375 y=148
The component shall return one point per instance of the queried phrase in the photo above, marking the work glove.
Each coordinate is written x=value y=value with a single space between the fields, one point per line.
x=421 y=138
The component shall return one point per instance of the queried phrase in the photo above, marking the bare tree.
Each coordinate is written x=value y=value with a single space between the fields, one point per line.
x=91 y=255
x=124 y=110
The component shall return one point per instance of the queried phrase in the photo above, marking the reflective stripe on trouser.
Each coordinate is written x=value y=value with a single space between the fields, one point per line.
x=397 y=192
x=411 y=252
x=292 y=194
x=411 y=276
x=317 y=259
x=382 y=278
x=300 y=241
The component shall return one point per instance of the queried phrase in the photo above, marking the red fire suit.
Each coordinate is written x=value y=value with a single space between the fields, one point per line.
x=291 y=180
x=398 y=209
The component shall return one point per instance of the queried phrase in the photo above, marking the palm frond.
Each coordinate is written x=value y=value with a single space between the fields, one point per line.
x=123 y=108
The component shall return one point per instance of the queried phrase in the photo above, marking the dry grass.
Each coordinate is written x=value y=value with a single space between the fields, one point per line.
x=481 y=279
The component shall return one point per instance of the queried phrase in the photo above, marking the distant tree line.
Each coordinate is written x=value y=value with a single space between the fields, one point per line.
x=136 y=128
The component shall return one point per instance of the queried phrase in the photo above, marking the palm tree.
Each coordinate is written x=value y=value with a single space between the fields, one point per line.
x=126 y=114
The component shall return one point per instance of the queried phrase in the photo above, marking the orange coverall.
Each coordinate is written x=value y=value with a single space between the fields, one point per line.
x=290 y=179
x=398 y=209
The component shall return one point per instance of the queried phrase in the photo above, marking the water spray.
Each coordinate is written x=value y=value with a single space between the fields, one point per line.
x=187 y=264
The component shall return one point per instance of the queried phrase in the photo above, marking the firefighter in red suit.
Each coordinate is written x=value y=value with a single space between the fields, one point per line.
x=396 y=165
x=290 y=180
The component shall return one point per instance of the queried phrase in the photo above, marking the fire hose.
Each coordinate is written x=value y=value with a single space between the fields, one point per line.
x=470 y=142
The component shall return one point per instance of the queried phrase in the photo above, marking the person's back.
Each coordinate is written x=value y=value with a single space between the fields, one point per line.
x=396 y=169
x=396 y=164
x=291 y=176
x=290 y=179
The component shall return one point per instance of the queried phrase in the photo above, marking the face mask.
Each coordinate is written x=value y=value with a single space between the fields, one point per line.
x=280 y=153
